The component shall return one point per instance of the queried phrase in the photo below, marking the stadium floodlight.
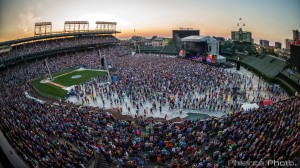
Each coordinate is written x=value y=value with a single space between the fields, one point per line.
x=42 y=28
x=43 y=23
x=76 y=26
x=106 y=26
x=49 y=72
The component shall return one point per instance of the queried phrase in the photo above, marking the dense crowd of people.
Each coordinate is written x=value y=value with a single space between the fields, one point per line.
x=41 y=145
x=48 y=135
x=148 y=83
x=44 y=45
x=270 y=133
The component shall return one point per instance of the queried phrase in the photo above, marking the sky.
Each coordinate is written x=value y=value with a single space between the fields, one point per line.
x=271 y=20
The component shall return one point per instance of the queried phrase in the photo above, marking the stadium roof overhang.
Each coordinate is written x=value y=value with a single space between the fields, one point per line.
x=199 y=39
x=56 y=35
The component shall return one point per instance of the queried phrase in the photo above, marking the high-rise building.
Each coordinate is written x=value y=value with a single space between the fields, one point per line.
x=288 y=43
x=264 y=43
x=295 y=55
x=278 y=45
x=296 y=35
x=241 y=36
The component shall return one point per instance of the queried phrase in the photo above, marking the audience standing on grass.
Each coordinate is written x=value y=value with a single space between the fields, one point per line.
x=48 y=135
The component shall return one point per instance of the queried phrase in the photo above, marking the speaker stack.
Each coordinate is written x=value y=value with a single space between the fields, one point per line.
x=238 y=64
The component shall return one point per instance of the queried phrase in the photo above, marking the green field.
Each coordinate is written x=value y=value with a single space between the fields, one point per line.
x=48 y=90
x=64 y=71
x=51 y=91
x=66 y=80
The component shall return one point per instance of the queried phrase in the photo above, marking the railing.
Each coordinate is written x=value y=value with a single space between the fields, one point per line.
x=54 y=34
x=23 y=58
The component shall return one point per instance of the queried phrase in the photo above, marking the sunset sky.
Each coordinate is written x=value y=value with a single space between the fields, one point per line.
x=272 y=20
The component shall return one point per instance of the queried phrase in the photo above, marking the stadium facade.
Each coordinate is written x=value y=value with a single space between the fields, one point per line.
x=74 y=42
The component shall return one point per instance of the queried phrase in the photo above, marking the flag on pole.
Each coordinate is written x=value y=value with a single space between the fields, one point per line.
x=240 y=19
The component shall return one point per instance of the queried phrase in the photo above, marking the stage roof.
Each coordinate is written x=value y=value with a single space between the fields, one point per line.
x=199 y=39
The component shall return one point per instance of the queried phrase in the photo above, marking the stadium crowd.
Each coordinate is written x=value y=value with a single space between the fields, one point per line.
x=44 y=45
x=36 y=144
x=48 y=135
x=175 y=84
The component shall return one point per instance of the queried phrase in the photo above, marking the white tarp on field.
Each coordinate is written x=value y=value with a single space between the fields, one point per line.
x=248 y=106
x=33 y=98
x=221 y=59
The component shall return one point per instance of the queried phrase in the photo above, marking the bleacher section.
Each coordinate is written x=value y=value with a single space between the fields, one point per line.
x=226 y=48
x=230 y=48
x=101 y=162
x=250 y=49
x=295 y=78
x=150 y=49
x=30 y=49
x=169 y=49
x=268 y=65
x=244 y=47
x=272 y=68
x=227 y=44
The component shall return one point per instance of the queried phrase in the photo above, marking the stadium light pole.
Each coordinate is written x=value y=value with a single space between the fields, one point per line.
x=46 y=63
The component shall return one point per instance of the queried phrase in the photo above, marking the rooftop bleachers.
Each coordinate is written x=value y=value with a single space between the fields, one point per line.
x=169 y=49
x=250 y=49
x=226 y=47
x=243 y=47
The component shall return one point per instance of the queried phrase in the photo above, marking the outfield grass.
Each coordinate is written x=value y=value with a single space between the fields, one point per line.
x=66 y=80
x=51 y=91
x=48 y=90
x=63 y=72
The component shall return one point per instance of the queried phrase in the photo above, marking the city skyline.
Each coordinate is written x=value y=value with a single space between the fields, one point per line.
x=272 y=20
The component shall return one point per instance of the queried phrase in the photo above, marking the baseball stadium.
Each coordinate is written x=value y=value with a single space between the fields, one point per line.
x=83 y=97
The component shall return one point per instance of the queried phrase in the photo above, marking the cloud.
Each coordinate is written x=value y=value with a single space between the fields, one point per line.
x=27 y=20
x=93 y=17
